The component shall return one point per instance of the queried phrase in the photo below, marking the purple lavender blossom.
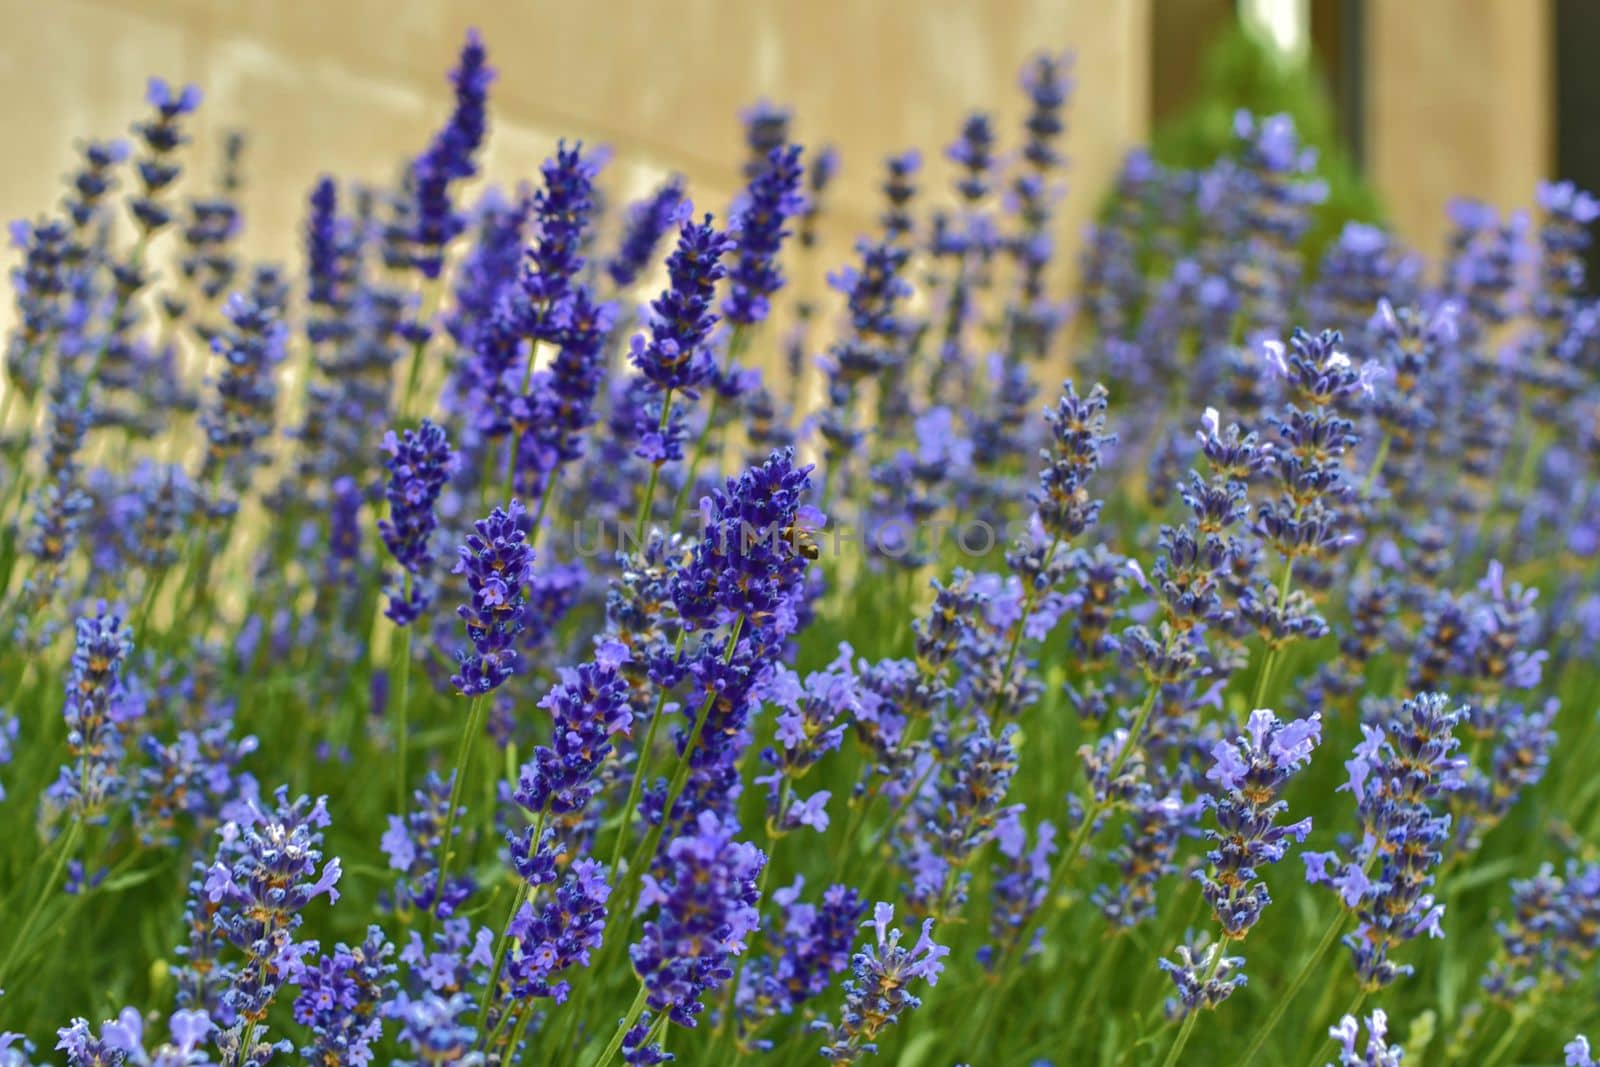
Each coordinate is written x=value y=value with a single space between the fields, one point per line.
x=590 y=707
x=879 y=989
x=680 y=319
x=241 y=414
x=420 y=463
x=160 y=137
x=449 y=158
x=558 y=934
x=561 y=211
x=811 y=722
x=496 y=560
x=756 y=226
x=647 y=222
x=748 y=563
x=412 y=845
x=704 y=895
x=1377 y=1053
x=1190 y=970
x=340 y=1001
x=266 y=872
x=811 y=947
x=121 y=1042
x=1398 y=775
x=98 y=709
x=1248 y=775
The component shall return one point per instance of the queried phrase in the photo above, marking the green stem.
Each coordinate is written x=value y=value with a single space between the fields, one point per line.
x=1377 y=466
x=1193 y=1015
x=634 y=1011
x=67 y=843
x=1355 y=1006
x=427 y=298
x=469 y=739
x=637 y=786
x=1268 y=662
x=1092 y=814
x=1282 y=1001
x=517 y=1033
x=1022 y=625
x=1508 y=1039
x=698 y=454
x=655 y=474
x=401 y=666
x=504 y=946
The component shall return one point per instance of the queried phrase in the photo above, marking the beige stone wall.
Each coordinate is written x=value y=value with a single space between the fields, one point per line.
x=354 y=86
x=1459 y=104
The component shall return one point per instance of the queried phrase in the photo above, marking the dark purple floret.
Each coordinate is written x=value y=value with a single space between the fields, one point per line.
x=973 y=152
x=879 y=989
x=590 y=707
x=496 y=560
x=748 y=563
x=646 y=224
x=419 y=463
x=766 y=127
x=412 y=845
x=243 y=410
x=1400 y=775
x=808 y=949
x=558 y=934
x=561 y=211
x=757 y=229
x=266 y=872
x=703 y=895
x=672 y=354
x=1196 y=992
x=340 y=1000
x=98 y=709
x=1248 y=775
x=159 y=137
x=899 y=188
x=449 y=159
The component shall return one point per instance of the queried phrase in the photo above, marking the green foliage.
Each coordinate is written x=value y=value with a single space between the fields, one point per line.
x=1244 y=72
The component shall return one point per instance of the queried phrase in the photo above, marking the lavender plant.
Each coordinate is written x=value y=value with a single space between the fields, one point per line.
x=1038 y=665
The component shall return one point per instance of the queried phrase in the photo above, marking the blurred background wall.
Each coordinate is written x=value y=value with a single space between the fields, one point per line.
x=1433 y=98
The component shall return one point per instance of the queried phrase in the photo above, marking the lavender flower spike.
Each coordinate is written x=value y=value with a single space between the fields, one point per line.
x=879 y=989
x=420 y=462
x=497 y=562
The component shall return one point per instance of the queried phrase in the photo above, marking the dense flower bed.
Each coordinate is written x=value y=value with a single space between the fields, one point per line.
x=531 y=630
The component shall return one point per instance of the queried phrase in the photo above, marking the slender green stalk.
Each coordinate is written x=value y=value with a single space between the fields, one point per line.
x=504 y=946
x=1282 y=1001
x=774 y=835
x=516 y=1036
x=1318 y=1042
x=66 y=843
x=1028 y=600
x=1193 y=1015
x=636 y=787
x=649 y=496
x=634 y=1011
x=400 y=665
x=736 y=344
x=427 y=304
x=469 y=738
x=1513 y=1031
x=1264 y=677
x=1377 y=466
